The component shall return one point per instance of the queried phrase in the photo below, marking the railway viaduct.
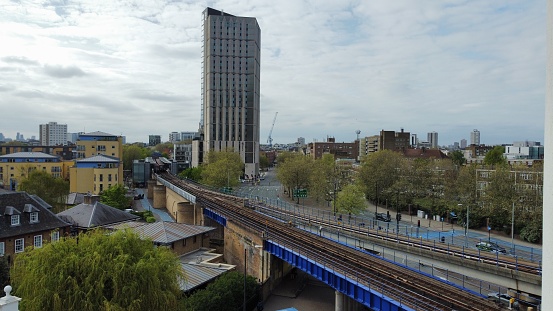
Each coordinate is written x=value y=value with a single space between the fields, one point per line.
x=248 y=249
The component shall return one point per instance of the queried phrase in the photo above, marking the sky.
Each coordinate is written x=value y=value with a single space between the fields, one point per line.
x=329 y=68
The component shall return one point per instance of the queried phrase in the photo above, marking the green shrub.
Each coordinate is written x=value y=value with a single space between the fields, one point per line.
x=150 y=219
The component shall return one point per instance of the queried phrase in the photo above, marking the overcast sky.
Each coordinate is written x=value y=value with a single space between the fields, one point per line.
x=328 y=67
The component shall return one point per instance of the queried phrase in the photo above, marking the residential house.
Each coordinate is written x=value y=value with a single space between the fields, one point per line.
x=25 y=221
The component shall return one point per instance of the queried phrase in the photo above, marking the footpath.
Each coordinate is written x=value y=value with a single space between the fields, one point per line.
x=432 y=229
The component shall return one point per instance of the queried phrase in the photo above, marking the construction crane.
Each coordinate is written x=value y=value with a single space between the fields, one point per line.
x=270 y=139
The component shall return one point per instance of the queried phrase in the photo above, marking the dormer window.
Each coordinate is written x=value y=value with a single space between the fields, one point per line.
x=15 y=220
x=34 y=217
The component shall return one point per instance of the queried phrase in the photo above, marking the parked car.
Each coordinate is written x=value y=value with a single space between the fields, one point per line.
x=383 y=217
x=491 y=247
x=503 y=299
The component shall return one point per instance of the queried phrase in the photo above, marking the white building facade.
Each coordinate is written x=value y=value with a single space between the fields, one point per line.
x=53 y=134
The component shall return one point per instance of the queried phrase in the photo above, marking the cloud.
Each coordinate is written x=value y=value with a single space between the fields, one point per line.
x=58 y=71
x=19 y=60
x=328 y=67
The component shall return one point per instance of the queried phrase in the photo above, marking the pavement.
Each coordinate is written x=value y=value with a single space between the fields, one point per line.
x=303 y=293
x=160 y=214
x=271 y=192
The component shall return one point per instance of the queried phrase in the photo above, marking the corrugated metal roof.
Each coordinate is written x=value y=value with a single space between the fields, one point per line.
x=97 y=133
x=28 y=155
x=164 y=232
x=199 y=270
x=197 y=275
x=99 y=158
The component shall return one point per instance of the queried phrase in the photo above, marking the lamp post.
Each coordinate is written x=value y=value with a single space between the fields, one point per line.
x=513 y=228
x=245 y=272
x=376 y=204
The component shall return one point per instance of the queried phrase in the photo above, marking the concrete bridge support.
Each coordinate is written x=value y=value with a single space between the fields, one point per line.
x=150 y=192
x=159 y=200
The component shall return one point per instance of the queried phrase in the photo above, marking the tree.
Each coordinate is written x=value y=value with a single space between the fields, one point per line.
x=323 y=176
x=225 y=294
x=223 y=168
x=458 y=158
x=98 y=271
x=379 y=171
x=116 y=196
x=495 y=156
x=134 y=152
x=193 y=173
x=350 y=200
x=295 y=173
x=4 y=272
x=263 y=162
x=53 y=190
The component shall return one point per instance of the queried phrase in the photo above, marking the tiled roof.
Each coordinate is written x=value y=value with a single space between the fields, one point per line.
x=75 y=198
x=164 y=232
x=95 y=215
x=15 y=203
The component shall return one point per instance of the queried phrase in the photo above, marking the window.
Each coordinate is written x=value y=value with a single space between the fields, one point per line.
x=15 y=220
x=101 y=177
x=2 y=248
x=19 y=245
x=34 y=217
x=55 y=236
x=38 y=241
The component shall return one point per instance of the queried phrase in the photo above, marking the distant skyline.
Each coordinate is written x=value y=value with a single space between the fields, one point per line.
x=328 y=67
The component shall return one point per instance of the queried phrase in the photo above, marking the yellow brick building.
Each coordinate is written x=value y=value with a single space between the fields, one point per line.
x=16 y=166
x=95 y=174
x=96 y=143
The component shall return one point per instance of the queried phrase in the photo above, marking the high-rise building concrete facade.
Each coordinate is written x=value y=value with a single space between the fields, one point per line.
x=433 y=139
x=475 y=137
x=53 y=134
x=231 y=86
x=463 y=143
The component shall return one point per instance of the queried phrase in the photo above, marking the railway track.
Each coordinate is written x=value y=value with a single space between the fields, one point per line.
x=408 y=287
x=503 y=261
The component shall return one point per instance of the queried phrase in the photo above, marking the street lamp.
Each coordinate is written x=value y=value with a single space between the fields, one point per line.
x=245 y=272
x=467 y=224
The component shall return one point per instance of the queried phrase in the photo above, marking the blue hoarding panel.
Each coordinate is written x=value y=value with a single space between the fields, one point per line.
x=344 y=284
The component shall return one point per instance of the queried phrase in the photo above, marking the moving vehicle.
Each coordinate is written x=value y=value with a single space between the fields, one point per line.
x=383 y=217
x=504 y=299
x=491 y=247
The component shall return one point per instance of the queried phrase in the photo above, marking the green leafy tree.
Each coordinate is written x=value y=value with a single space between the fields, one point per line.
x=350 y=200
x=495 y=156
x=379 y=171
x=116 y=196
x=53 y=190
x=4 y=272
x=225 y=294
x=134 y=152
x=98 y=271
x=498 y=197
x=295 y=173
x=458 y=158
x=194 y=173
x=164 y=147
x=223 y=168
x=263 y=162
x=323 y=176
